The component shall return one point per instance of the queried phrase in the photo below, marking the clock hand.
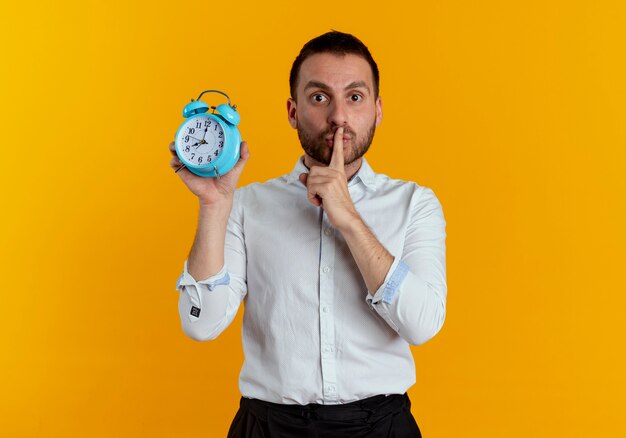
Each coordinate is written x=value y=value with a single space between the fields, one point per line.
x=196 y=145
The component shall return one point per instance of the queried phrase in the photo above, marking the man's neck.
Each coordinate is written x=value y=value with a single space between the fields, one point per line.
x=350 y=169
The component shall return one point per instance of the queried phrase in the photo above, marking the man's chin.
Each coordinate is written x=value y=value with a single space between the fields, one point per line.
x=319 y=155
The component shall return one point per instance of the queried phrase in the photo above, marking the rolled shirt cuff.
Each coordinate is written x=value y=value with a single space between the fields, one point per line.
x=388 y=291
x=192 y=286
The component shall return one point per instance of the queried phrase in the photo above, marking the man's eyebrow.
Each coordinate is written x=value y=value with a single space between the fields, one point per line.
x=323 y=86
x=358 y=84
x=316 y=84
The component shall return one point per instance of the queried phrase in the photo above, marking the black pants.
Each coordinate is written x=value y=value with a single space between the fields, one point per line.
x=375 y=417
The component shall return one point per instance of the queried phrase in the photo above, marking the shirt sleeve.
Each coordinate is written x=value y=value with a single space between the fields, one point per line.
x=206 y=307
x=412 y=299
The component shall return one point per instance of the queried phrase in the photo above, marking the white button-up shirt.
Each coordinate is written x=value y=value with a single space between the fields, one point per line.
x=312 y=332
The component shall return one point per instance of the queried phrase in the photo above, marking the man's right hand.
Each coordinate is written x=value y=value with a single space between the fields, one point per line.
x=211 y=190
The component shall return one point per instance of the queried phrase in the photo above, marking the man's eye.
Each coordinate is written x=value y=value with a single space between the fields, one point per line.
x=356 y=97
x=319 y=98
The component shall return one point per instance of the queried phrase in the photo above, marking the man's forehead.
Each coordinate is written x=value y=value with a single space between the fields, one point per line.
x=335 y=70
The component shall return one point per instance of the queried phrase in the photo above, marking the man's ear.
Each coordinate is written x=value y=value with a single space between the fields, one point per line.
x=379 y=111
x=291 y=113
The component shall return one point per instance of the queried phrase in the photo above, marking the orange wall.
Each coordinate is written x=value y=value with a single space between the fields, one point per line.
x=512 y=113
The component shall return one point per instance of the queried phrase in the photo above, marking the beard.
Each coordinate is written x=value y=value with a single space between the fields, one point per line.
x=315 y=145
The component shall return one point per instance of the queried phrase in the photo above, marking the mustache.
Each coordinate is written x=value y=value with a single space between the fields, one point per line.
x=331 y=132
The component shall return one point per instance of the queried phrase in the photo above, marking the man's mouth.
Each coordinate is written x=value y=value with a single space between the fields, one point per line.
x=330 y=141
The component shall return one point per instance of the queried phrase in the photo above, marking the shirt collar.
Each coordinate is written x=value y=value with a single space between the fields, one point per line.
x=365 y=174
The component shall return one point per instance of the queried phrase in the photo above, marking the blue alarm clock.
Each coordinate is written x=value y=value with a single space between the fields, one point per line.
x=208 y=143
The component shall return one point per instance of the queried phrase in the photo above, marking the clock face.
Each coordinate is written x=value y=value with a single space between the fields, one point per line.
x=200 y=140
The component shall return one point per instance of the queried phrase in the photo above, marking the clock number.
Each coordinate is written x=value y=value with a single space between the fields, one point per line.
x=207 y=123
x=221 y=134
x=198 y=125
x=217 y=153
x=187 y=148
x=191 y=130
x=186 y=138
x=199 y=160
x=209 y=157
x=216 y=126
x=221 y=144
x=193 y=154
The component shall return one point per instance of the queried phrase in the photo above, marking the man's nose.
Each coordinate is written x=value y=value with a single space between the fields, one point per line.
x=338 y=114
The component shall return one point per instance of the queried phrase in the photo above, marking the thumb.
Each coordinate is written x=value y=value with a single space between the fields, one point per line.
x=303 y=178
x=244 y=154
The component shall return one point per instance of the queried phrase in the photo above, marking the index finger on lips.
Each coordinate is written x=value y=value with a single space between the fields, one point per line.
x=336 y=161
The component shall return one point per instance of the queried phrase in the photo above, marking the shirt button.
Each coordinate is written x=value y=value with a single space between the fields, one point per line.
x=326 y=269
x=328 y=231
x=325 y=309
x=330 y=388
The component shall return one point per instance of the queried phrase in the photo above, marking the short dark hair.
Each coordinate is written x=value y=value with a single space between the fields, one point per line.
x=337 y=43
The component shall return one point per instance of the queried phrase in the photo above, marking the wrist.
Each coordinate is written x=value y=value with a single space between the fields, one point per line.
x=354 y=224
x=216 y=212
x=216 y=204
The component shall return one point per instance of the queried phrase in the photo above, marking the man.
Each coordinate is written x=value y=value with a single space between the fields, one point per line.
x=341 y=268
